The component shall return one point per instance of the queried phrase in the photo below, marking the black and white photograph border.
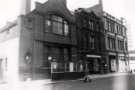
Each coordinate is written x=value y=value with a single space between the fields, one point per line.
x=67 y=45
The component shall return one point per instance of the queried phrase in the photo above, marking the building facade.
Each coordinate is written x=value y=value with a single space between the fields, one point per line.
x=9 y=45
x=50 y=42
x=89 y=39
x=116 y=43
x=46 y=41
x=115 y=40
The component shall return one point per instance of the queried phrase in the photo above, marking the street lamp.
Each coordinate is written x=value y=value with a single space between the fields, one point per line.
x=49 y=58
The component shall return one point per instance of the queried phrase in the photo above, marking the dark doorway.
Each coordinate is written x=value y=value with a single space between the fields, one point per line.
x=93 y=65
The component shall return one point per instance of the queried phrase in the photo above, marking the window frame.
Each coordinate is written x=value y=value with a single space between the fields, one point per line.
x=63 y=22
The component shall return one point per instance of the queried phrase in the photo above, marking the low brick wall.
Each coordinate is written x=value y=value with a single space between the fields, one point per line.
x=67 y=75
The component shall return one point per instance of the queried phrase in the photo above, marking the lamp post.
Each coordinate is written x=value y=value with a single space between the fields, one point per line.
x=50 y=62
x=28 y=60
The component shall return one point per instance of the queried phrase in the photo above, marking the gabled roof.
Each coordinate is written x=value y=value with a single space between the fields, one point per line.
x=54 y=7
x=98 y=9
x=90 y=12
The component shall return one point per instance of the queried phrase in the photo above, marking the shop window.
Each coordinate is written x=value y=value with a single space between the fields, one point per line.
x=80 y=67
x=71 y=67
x=57 y=58
x=54 y=66
x=57 y=67
x=66 y=67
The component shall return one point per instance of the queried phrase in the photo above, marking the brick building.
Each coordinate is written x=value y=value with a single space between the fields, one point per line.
x=45 y=41
x=89 y=39
x=50 y=42
x=115 y=40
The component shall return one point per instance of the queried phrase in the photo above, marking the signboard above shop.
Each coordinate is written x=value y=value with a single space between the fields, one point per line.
x=93 y=56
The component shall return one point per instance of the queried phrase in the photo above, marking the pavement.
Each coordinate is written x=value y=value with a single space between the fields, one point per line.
x=49 y=81
x=37 y=83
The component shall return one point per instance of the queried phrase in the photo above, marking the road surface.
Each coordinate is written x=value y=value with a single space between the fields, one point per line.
x=110 y=83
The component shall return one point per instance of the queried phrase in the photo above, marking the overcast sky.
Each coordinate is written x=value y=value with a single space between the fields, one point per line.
x=9 y=10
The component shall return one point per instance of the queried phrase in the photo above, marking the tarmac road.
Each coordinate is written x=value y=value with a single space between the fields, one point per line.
x=126 y=82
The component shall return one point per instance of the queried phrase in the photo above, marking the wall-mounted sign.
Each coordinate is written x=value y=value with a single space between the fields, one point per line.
x=93 y=56
x=113 y=65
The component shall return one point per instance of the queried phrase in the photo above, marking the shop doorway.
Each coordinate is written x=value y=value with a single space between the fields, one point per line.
x=93 y=65
x=113 y=63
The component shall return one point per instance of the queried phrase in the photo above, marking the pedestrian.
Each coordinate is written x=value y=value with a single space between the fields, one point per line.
x=131 y=71
x=87 y=78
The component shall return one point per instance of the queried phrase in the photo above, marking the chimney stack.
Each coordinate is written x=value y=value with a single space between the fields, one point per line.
x=101 y=3
x=25 y=7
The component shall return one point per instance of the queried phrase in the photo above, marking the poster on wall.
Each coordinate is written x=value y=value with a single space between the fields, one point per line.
x=71 y=67
x=113 y=65
x=122 y=66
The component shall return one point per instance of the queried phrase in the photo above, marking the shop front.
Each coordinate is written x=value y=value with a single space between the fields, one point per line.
x=93 y=64
x=67 y=70
x=113 y=63
x=123 y=64
x=62 y=63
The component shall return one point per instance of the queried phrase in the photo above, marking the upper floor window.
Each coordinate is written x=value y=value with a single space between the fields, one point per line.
x=120 y=45
x=57 y=25
x=105 y=24
x=124 y=31
x=111 y=43
x=126 y=46
x=66 y=28
x=109 y=25
x=112 y=27
x=119 y=29
x=91 y=25
x=91 y=42
x=48 y=25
